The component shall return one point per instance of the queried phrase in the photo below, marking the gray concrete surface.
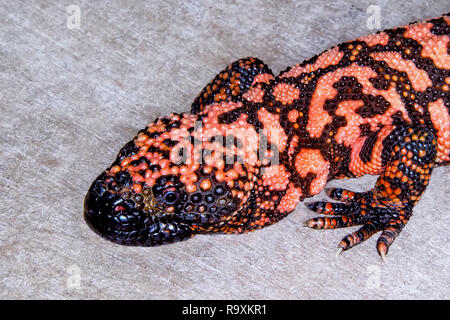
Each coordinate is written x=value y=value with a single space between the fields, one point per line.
x=70 y=98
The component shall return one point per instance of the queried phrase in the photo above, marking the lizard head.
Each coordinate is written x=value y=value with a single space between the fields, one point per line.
x=158 y=191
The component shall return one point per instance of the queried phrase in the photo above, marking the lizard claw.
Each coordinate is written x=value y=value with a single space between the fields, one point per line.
x=364 y=211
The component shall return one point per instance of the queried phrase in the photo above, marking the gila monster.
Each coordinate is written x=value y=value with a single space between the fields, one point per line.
x=254 y=145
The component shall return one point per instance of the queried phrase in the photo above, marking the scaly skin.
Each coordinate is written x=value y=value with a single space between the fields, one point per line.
x=255 y=145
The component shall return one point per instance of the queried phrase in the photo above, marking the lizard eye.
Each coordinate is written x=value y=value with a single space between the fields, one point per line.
x=170 y=197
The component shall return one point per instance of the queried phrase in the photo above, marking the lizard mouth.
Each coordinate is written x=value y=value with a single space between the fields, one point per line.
x=119 y=220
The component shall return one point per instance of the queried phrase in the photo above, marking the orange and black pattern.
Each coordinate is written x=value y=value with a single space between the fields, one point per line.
x=255 y=145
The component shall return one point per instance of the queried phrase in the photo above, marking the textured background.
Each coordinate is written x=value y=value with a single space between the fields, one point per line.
x=71 y=98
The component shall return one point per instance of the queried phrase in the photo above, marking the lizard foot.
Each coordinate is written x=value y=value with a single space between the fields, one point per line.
x=362 y=209
x=409 y=153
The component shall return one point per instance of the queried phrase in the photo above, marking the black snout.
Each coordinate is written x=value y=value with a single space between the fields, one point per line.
x=116 y=219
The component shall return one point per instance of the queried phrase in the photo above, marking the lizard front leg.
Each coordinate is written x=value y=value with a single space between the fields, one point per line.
x=408 y=155
x=234 y=83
